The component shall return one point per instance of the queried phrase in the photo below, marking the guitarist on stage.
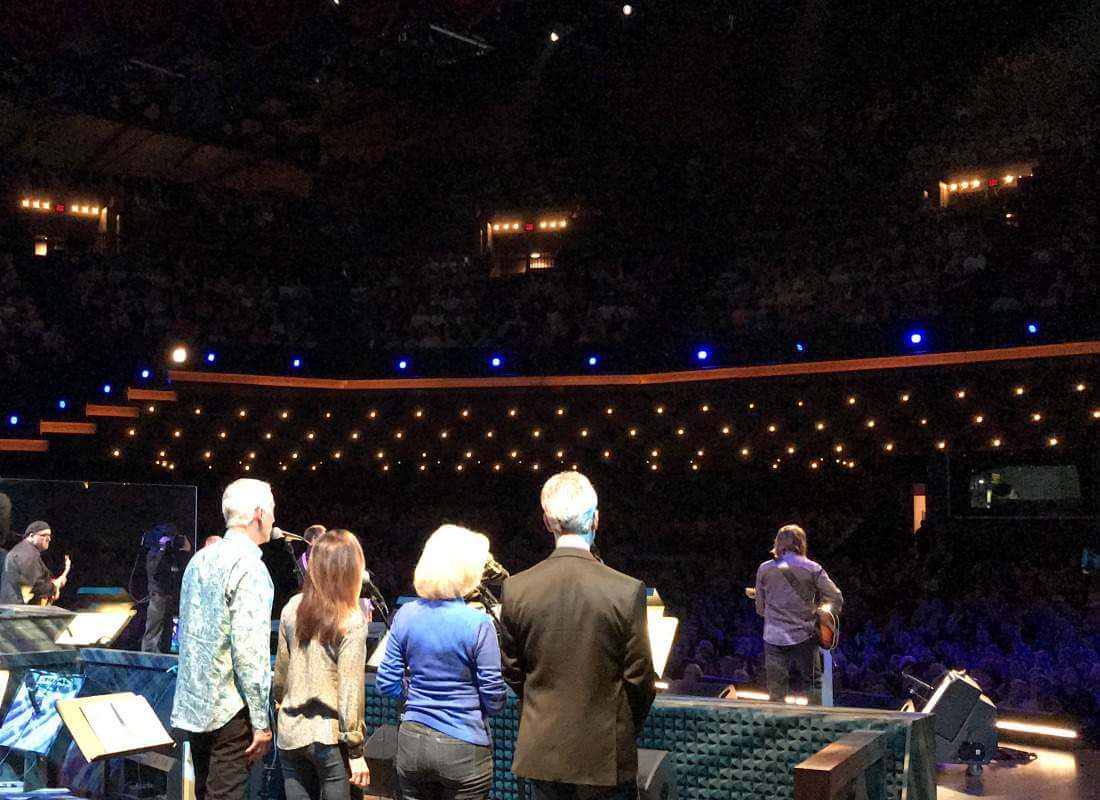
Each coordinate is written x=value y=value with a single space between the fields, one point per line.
x=791 y=591
x=26 y=579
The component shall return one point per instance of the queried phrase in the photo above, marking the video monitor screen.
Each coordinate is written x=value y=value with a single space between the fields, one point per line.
x=1025 y=489
x=32 y=723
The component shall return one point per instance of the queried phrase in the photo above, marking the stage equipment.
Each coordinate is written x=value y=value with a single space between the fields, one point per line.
x=656 y=776
x=379 y=751
x=32 y=722
x=966 y=720
x=662 y=630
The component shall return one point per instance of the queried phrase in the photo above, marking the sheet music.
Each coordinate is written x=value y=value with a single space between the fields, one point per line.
x=109 y=726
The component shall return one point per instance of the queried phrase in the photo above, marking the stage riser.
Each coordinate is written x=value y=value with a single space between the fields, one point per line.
x=721 y=750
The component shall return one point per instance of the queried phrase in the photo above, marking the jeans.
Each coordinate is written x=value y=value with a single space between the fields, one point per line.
x=221 y=771
x=802 y=659
x=159 y=610
x=315 y=771
x=434 y=766
x=548 y=790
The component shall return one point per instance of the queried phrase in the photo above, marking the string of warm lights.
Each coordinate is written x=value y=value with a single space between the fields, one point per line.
x=665 y=435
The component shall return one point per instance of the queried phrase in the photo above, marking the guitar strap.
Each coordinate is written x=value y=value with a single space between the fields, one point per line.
x=798 y=588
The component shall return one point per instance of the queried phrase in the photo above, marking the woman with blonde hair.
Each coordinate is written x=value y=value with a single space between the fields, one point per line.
x=319 y=675
x=450 y=650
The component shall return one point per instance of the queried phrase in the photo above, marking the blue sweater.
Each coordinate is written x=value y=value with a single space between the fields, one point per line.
x=453 y=657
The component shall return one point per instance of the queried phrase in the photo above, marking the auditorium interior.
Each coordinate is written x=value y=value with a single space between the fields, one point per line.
x=743 y=266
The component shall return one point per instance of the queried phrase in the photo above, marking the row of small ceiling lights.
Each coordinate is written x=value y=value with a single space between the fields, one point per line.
x=627 y=9
x=838 y=448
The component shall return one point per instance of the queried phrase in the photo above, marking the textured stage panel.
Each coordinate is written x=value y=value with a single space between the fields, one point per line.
x=722 y=750
x=729 y=751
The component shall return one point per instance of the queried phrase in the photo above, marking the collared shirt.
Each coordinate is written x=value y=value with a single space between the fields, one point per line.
x=225 y=637
x=573 y=540
x=789 y=619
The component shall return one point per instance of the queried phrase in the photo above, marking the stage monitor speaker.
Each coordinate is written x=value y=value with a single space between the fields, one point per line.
x=379 y=751
x=656 y=776
x=966 y=721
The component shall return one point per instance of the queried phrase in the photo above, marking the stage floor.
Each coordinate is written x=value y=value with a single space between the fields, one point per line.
x=1054 y=775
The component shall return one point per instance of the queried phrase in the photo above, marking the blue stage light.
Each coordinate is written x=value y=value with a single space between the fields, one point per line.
x=1033 y=328
x=702 y=354
x=13 y=420
x=211 y=357
x=593 y=360
x=916 y=337
x=62 y=404
x=495 y=361
x=145 y=374
x=800 y=347
x=106 y=388
x=403 y=363
x=295 y=363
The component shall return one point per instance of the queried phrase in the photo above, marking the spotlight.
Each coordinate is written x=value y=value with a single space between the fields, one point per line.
x=62 y=404
x=211 y=357
x=593 y=360
x=495 y=362
x=13 y=420
x=628 y=10
x=702 y=354
x=554 y=37
x=916 y=338
x=295 y=363
x=145 y=374
x=800 y=347
x=106 y=388
x=1033 y=328
x=179 y=355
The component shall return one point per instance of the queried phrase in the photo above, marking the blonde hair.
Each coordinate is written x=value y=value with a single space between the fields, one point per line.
x=241 y=499
x=452 y=563
x=790 y=539
x=569 y=503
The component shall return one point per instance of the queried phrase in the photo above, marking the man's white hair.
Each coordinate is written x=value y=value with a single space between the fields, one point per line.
x=241 y=499
x=452 y=563
x=569 y=503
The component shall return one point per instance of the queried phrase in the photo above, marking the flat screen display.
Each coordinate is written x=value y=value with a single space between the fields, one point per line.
x=32 y=723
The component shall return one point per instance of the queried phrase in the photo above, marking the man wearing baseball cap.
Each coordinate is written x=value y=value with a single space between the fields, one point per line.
x=26 y=579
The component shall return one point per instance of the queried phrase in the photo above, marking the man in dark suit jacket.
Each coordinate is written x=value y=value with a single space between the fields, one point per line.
x=575 y=649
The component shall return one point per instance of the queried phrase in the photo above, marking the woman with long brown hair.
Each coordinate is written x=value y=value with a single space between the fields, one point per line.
x=319 y=675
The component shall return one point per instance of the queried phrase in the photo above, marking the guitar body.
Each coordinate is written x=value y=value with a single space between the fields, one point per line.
x=828 y=629
x=45 y=601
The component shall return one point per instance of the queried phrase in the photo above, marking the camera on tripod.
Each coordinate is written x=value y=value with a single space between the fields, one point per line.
x=163 y=537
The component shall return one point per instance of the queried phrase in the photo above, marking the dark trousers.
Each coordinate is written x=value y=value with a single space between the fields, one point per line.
x=221 y=772
x=802 y=660
x=434 y=766
x=548 y=790
x=316 y=771
x=158 y=612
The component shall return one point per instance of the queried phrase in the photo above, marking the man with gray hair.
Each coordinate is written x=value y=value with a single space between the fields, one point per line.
x=575 y=649
x=224 y=681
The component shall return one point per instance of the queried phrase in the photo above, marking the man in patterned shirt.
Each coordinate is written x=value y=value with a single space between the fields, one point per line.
x=224 y=680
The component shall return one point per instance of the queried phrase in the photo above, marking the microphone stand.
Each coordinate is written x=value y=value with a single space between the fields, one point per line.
x=298 y=572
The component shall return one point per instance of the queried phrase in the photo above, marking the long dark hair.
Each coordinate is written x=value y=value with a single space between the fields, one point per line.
x=331 y=589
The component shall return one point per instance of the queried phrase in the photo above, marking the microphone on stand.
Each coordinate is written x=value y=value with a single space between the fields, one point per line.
x=376 y=598
x=279 y=533
x=494 y=571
